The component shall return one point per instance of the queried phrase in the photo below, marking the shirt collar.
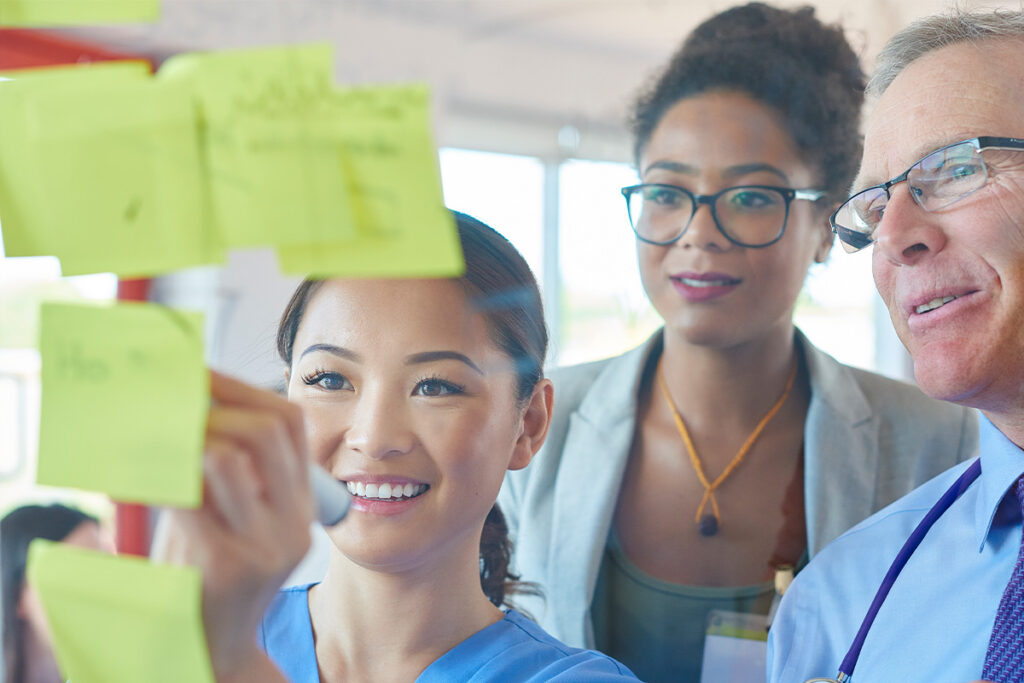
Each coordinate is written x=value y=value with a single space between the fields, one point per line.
x=1002 y=464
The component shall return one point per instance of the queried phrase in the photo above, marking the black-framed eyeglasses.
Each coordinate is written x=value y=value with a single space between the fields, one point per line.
x=747 y=215
x=939 y=179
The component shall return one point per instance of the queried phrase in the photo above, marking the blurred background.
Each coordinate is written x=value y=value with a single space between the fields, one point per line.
x=530 y=102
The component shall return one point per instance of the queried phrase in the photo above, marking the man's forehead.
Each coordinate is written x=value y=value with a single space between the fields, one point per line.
x=954 y=93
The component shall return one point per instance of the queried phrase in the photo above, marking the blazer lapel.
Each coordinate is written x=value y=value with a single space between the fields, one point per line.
x=587 y=489
x=841 y=450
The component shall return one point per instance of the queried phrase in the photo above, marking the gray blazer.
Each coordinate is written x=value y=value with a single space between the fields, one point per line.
x=868 y=440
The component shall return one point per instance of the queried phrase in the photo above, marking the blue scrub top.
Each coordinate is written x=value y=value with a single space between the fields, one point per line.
x=514 y=648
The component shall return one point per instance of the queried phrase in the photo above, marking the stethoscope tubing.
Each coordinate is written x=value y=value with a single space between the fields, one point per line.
x=944 y=503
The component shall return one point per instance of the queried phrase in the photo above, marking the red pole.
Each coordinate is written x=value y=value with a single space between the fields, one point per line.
x=24 y=48
x=133 y=520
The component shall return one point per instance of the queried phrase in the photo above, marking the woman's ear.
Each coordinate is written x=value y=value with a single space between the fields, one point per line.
x=825 y=247
x=535 y=422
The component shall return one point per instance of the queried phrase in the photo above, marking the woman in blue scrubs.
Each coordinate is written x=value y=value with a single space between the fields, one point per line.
x=419 y=395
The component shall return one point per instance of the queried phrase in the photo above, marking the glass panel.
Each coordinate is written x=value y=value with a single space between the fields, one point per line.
x=24 y=283
x=835 y=309
x=503 y=190
x=604 y=308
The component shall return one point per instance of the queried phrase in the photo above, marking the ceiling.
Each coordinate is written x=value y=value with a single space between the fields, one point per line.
x=501 y=69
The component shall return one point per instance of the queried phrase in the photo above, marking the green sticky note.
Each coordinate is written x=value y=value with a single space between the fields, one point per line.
x=274 y=180
x=103 y=172
x=120 y=619
x=80 y=12
x=124 y=399
x=383 y=141
x=86 y=74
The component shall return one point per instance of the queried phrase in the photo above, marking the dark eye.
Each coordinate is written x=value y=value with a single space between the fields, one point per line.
x=962 y=171
x=663 y=196
x=436 y=386
x=328 y=381
x=753 y=200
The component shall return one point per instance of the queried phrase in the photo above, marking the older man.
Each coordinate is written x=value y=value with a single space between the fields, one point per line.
x=940 y=193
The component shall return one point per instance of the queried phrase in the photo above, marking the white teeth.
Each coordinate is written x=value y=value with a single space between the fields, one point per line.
x=704 y=283
x=933 y=304
x=385 y=491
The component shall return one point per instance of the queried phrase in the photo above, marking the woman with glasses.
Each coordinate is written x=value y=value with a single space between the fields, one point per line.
x=683 y=483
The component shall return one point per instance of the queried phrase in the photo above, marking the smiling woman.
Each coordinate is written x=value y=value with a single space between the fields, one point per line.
x=727 y=449
x=419 y=395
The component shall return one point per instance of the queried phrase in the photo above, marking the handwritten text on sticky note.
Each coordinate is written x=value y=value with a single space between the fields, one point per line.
x=124 y=399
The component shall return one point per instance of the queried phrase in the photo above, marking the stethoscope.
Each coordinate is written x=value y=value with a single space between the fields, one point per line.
x=943 y=504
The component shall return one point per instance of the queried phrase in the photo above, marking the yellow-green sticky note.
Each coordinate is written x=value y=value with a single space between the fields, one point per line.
x=111 y=71
x=120 y=619
x=104 y=173
x=77 y=12
x=273 y=178
x=382 y=138
x=124 y=398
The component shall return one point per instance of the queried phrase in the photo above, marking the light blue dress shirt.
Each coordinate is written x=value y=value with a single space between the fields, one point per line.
x=935 y=623
x=512 y=649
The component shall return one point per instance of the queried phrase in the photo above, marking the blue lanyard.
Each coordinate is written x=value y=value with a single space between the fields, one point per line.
x=943 y=504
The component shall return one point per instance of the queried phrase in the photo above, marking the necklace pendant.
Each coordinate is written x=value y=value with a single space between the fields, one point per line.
x=708 y=525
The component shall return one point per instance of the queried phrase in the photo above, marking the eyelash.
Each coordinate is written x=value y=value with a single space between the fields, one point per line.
x=316 y=378
x=450 y=388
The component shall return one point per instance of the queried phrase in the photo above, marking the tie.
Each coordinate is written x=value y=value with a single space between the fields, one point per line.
x=1004 y=661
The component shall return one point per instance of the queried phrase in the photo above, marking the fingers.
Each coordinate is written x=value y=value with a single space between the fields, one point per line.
x=232 y=486
x=262 y=437
x=231 y=392
x=272 y=430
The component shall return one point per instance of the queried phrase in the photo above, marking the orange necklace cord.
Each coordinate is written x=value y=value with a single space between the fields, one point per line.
x=709 y=488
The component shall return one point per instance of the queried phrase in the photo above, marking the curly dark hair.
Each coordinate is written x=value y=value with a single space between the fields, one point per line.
x=784 y=58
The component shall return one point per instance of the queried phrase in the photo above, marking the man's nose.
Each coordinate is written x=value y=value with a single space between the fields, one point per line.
x=907 y=233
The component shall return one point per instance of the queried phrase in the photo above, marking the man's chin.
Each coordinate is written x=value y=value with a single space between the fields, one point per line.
x=947 y=379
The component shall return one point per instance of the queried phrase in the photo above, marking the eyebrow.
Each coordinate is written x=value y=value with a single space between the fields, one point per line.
x=729 y=172
x=432 y=356
x=339 y=351
x=414 y=359
x=920 y=153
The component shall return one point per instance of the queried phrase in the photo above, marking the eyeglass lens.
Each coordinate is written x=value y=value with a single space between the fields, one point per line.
x=749 y=215
x=936 y=181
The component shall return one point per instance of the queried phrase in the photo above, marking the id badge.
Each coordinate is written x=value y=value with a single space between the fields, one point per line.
x=735 y=648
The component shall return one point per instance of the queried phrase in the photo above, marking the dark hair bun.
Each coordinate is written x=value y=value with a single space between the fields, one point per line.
x=786 y=59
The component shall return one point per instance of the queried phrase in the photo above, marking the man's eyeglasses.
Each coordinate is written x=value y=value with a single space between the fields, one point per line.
x=748 y=215
x=940 y=179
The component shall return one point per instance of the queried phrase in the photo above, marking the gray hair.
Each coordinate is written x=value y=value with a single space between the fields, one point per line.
x=938 y=31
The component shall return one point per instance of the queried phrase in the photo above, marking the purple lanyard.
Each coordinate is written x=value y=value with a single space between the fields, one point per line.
x=943 y=504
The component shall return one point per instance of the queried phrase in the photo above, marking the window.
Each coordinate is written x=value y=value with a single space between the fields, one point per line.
x=24 y=284
x=504 y=191
x=836 y=308
x=602 y=308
